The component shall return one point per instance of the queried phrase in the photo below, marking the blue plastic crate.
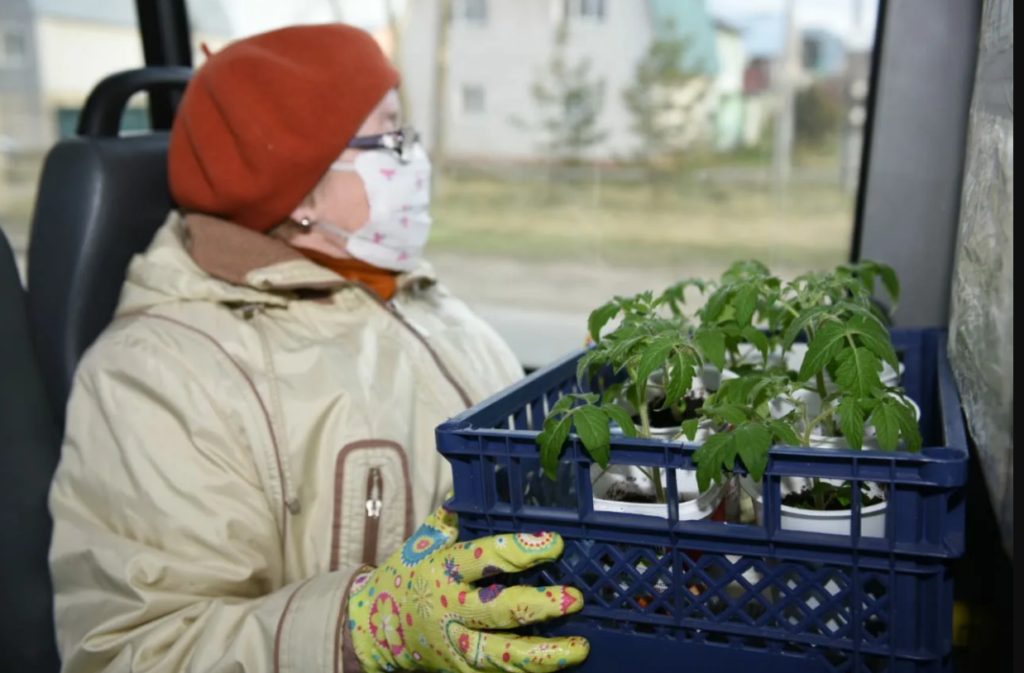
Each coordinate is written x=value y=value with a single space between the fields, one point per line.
x=664 y=594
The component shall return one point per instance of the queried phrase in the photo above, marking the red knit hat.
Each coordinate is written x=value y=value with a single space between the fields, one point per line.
x=263 y=120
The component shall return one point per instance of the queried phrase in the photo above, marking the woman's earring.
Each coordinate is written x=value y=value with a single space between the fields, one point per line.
x=306 y=223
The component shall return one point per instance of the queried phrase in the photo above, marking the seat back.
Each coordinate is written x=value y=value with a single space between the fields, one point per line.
x=29 y=446
x=100 y=201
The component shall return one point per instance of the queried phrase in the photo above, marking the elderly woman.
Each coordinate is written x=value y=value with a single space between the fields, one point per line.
x=250 y=445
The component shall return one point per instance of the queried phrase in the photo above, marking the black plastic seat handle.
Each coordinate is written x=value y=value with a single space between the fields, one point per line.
x=101 y=117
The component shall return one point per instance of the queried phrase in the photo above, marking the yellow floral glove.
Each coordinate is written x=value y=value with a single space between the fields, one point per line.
x=419 y=611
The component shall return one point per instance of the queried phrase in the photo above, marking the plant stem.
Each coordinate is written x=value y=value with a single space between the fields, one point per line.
x=823 y=393
x=809 y=430
x=645 y=429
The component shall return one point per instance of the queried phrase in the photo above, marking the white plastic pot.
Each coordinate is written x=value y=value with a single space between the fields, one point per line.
x=693 y=505
x=837 y=522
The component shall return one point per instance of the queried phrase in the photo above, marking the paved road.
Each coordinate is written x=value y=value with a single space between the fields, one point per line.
x=542 y=309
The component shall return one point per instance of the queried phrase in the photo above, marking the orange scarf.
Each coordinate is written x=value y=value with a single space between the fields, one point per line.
x=381 y=281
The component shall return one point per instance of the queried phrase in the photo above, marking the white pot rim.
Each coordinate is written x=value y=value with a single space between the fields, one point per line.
x=698 y=509
x=753 y=489
x=695 y=509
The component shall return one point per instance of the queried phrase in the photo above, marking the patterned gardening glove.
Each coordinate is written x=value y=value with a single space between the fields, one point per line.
x=419 y=611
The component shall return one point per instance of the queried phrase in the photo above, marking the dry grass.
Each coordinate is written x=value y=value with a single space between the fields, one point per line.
x=630 y=224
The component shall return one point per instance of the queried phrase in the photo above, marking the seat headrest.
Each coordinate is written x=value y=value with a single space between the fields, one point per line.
x=101 y=199
x=100 y=202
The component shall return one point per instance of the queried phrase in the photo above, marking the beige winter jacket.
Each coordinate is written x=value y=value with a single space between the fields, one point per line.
x=229 y=438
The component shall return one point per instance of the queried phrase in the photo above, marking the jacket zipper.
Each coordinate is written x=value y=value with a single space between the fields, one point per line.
x=374 y=508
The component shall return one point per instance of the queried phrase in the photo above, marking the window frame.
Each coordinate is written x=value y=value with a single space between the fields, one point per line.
x=463 y=12
x=24 y=59
x=906 y=87
x=577 y=11
x=467 y=94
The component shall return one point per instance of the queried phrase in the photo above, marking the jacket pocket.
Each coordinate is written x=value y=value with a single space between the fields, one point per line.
x=373 y=505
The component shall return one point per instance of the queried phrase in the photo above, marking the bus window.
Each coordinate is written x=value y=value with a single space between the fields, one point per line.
x=583 y=149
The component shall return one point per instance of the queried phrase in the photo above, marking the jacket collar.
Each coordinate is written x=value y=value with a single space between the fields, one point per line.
x=243 y=257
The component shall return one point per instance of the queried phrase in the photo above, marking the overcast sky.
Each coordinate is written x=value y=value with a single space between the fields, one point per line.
x=839 y=16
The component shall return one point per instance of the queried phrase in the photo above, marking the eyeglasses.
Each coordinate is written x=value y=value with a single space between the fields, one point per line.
x=401 y=142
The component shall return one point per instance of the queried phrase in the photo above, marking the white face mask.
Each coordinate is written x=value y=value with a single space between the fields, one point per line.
x=399 y=195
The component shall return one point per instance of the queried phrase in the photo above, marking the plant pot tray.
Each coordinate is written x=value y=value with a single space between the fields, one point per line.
x=666 y=593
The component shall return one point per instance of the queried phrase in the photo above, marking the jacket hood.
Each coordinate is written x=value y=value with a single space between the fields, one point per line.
x=206 y=259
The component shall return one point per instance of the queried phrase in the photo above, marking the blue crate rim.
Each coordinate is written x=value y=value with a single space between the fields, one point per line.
x=464 y=425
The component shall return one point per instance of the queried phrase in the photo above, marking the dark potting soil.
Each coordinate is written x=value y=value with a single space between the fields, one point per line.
x=805 y=500
x=666 y=418
x=629 y=492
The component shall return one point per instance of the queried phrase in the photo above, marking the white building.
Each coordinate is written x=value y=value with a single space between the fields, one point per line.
x=498 y=49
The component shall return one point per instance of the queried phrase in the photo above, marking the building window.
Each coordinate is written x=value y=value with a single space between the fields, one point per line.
x=14 y=49
x=134 y=120
x=587 y=10
x=811 y=53
x=471 y=11
x=474 y=99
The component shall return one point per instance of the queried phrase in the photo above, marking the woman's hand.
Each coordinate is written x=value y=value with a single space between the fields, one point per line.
x=419 y=611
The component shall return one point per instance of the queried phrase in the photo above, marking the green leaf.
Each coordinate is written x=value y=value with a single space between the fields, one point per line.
x=690 y=428
x=909 y=428
x=753 y=444
x=612 y=393
x=852 y=422
x=873 y=336
x=592 y=427
x=716 y=304
x=675 y=296
x=890 y=281
x=731 y=330
x=654 y=358
x=746 y=304
x=622 y=348
x=729 y=413
x=732 y=391
x=712 y=345
x=784 y=434
x=551 y=441
x=563 y=405
x=622 y=418
x=633 y=396
x=826 y=345
x=715 y=452
x=801 y=322
x=886 y=421
x=745 y=270
x=719 y=453
x=601 y=317
x=758 y=339
x=680 y=379
x=768 y=388
x=587 y=364
x=858 y=372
